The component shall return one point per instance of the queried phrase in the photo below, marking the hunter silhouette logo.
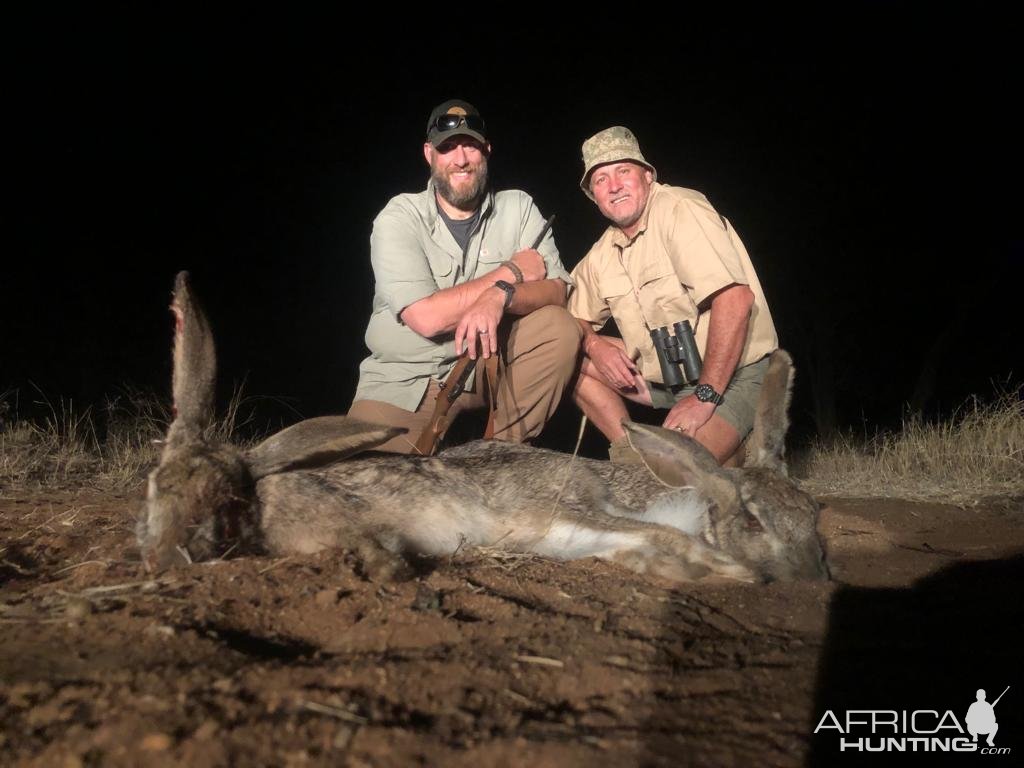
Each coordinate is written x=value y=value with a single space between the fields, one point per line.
x=919 y=730
x=981 y=717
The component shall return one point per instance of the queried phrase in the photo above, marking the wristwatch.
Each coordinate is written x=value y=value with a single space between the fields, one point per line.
x=509 y=289
x=706 y=394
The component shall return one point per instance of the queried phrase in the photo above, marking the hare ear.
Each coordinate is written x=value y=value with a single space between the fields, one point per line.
x=195 y=360
x=767 y=443
x=679 y=461
x=315 y=442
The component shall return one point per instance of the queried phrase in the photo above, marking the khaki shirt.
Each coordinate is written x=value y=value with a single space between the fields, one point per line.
x=414 y=255
x=684 y=252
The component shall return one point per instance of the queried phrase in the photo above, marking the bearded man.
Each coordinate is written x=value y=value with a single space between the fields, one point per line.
x=456 y=272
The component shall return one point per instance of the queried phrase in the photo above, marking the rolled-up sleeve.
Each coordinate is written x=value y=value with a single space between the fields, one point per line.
x=585 y=301
x=400 y=267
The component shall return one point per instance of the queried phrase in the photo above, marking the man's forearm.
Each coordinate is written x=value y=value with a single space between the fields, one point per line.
x=727 y=333
x=441 y=311
x=589 y=336
x=540 y=293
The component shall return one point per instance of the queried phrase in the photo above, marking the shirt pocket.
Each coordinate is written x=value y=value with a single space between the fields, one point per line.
x=492 y=257
x=663 y=297
x=617 y=292
x=442 y=267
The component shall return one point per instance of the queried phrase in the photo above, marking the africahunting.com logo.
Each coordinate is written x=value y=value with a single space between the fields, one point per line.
x=919 y=730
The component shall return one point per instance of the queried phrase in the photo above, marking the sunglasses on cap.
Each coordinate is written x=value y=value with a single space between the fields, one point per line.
x=451 y=122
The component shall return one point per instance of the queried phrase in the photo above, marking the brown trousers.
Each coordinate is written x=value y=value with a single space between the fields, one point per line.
x=535 y=366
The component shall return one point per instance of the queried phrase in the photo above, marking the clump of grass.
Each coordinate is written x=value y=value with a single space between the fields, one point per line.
x=135 y=425
x=58 y=446
x=110 y=450
x=976 y=454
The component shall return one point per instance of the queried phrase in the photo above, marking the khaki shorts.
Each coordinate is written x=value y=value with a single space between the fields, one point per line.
x=740 y=396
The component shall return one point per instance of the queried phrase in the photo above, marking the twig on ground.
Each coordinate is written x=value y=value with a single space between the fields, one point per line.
x=338 y=712
x=79 y=565
x=543 y=661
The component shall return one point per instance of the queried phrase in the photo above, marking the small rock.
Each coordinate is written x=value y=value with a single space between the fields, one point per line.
x=77 y=608
x=325 y=598
x=206 y=731
x=426 y=599
x=343 y=737
x=156 y=742
x=159 y=630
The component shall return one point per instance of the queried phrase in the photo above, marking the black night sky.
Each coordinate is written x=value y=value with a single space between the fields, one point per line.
x=871 y=162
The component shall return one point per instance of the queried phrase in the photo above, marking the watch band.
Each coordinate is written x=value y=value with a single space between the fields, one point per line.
x=509 y=289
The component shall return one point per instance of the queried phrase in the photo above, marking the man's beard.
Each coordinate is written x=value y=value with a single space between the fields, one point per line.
x=465 y=198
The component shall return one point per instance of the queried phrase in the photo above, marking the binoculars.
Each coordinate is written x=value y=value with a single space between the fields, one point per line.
x=676 y=350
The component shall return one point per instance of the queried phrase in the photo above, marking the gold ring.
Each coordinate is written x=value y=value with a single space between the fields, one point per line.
x=482 y=331
x=678 y=429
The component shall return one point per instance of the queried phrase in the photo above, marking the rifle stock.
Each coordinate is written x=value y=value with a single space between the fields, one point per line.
x=451 y=388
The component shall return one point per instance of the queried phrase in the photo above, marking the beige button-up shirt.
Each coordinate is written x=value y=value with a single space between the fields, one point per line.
x=684 y=252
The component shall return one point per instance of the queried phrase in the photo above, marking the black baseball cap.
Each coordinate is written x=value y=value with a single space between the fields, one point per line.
x=455 y=117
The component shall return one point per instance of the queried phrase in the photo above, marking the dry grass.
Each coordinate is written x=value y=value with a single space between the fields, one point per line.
x=977 y=454
x=111 y=450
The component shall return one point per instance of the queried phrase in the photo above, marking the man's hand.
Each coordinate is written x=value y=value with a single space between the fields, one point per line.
x=481 y=321
x=689 y=415
x=531 y=264
x=611 y=362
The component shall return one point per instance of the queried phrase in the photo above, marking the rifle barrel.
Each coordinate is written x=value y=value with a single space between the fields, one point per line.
x=543 y=232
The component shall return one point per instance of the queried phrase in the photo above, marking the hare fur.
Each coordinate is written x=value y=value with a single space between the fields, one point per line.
x=305 y=489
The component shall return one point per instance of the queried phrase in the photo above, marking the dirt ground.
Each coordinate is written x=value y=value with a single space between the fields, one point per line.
x=485 y=661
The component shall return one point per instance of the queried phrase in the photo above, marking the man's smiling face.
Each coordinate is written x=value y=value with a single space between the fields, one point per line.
x=621 y=191
x=458 y=167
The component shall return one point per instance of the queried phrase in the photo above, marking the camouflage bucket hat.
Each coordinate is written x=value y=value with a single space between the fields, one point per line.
x=611 y=145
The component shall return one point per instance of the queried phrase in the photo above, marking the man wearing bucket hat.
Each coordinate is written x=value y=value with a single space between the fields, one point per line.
x=456 y=270
x=668 y=256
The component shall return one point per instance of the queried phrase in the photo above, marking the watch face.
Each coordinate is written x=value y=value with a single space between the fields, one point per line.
x=706 y=393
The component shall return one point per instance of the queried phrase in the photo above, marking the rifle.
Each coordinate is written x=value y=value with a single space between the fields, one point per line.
x=455 y=384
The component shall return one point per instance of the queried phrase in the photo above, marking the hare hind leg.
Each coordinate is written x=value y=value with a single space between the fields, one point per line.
x=641 y=547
